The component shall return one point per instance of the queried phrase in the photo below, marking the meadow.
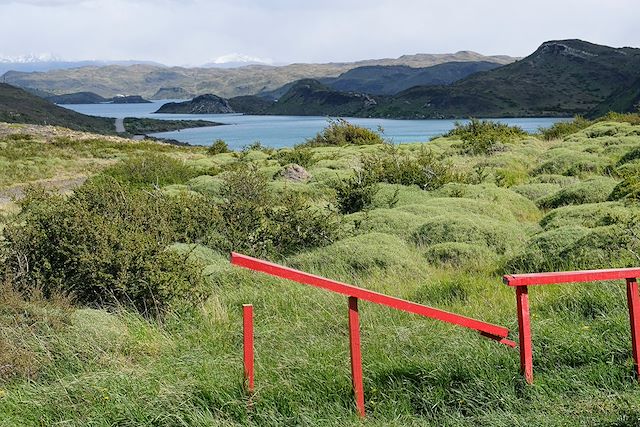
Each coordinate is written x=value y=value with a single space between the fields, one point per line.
x=119 y=305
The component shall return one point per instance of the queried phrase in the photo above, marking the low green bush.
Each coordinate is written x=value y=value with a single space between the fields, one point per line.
x=362 y=254
x=460 y=255
x=340 y=132
x=590 y=191
x=536 y=190
x=484 y=136
x=106 y=244
x=564 y=161
x=500 y=236
x=298 y=156
x=254 y=221
x=588 y=215
x=423 y=169
x=356 y=193
x=542 y=252
x=151 y=170
x=389 y=221
x=521 y=207
x=219 y=146
x=561 y=129
x=610 y=246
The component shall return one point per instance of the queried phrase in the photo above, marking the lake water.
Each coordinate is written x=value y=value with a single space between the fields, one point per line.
x=283 y=131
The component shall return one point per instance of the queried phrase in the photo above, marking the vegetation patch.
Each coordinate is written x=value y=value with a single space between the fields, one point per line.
x=484 y=136
x=460 y=255
x=500 y=236
x=340 y=132
x=593 y=190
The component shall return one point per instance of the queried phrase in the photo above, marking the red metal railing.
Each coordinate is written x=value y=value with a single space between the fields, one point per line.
x=522 y=281
x=354 y=293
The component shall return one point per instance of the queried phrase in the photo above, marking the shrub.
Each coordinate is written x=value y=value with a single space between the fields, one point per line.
x=106 y=244
x=542 y=252
x=508 y=177
x=536 y=191
x=563 y=161
x=590 y=191
x=356 y=193
x=561 y=129
x=629 y=157
x=151 y=170
x=484 y=136
x=589 y=215
x=627 y=189
x=605 y=247
x=457 y=254
x=501 y=236
x=631 y=118
x=360 y=254
x=254 y=221
x=219 y=146
x=509 y=200
x=423 y=170
x=340 y=132
x=299 y=156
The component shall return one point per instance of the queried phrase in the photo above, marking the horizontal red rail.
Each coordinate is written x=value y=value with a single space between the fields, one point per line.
x=570 y=276
x=489 y=330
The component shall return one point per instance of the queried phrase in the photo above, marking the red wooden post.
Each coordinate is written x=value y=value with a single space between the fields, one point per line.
x=356 y=355
x=524 y=333
x=633 y=302
x=247 y=323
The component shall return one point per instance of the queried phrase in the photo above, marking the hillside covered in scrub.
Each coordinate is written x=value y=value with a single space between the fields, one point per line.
x=119 y=305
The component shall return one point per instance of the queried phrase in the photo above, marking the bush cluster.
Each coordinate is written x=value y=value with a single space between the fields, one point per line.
x=253 y=220
x=299 y=155
x=219 y=146
x=151 y=169
x=484 y=136
x=340 y=132
x=106 y=244
x=561 y=129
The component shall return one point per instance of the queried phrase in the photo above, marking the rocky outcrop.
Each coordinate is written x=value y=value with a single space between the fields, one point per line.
x=203 y=104
x=295 y=173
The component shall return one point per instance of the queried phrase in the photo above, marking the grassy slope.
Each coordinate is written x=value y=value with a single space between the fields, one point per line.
x=87 y=367
x=19 y=106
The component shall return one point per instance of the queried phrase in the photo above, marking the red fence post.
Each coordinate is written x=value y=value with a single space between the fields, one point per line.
x=247 y=330
x=634 y=319
x=356 y=355
x=524 y=333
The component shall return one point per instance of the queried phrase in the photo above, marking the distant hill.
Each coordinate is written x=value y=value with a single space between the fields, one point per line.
x=147 y=80
x=624 y=100
x=391 y=79
x=203 y=104
x=19 y=106
x=172 y=93
x=77 y=98
x=310 y=97
x=561 y=78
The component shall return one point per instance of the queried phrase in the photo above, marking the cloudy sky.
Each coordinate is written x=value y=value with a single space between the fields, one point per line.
x=190 y=32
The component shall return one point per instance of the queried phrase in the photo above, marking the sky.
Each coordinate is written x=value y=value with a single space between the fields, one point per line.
x=194 y=32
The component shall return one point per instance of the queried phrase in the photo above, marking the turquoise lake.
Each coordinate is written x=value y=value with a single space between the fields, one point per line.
x=283 y=131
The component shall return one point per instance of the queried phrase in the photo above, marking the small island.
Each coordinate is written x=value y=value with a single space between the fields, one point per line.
x=203 y=104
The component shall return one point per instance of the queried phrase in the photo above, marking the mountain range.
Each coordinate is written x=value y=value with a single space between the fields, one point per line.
x=147 y=79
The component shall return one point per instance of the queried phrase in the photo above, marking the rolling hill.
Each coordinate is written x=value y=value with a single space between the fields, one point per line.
x=19 y=106
x=146 y=79
x=561 y=78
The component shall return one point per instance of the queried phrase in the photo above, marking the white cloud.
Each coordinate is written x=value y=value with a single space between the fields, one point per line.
x=192 y=31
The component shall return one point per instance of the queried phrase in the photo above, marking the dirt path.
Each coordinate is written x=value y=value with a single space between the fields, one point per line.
x=120 y=126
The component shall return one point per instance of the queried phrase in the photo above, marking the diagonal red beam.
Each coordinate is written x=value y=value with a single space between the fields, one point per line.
x=489 y=330
x=570 y=276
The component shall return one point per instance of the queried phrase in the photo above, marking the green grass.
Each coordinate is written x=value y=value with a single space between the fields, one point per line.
x=65 y=364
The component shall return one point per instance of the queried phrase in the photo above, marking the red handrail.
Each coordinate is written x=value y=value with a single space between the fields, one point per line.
x=522 y=281
x=354 y=293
